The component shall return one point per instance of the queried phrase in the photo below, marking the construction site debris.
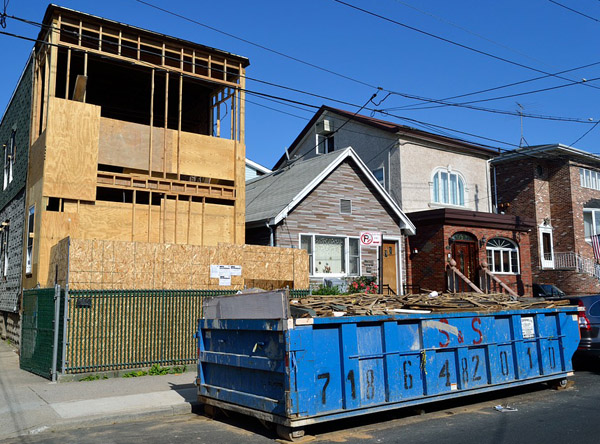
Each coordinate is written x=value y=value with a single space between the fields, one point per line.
x=362 y=304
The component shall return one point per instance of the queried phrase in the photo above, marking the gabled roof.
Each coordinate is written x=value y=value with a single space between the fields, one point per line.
x=257 y=166
x=270 y=198
x=551 y=151
x=391 y=127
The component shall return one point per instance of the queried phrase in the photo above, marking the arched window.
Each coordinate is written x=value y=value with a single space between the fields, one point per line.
x=448 y=188
x=502 y=256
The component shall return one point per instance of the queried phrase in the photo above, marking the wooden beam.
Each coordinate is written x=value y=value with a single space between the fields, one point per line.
x=68 y=74
x=80 y=88
x=151 y=125
x=166 y=124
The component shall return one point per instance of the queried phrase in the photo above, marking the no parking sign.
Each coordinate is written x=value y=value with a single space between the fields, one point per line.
x=370 y=238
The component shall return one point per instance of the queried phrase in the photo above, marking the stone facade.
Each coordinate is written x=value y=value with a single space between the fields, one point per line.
x=548 y=189
x=319 y=214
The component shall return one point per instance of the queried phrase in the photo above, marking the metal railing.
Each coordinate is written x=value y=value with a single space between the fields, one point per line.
x=575 y=261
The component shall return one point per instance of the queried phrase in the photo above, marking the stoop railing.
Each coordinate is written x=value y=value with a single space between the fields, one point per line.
x=575 y=261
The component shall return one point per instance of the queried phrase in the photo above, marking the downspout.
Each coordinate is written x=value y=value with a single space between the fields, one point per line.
x=271 y=235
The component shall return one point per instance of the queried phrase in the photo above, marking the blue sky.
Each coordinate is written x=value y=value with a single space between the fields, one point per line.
x=538 y=34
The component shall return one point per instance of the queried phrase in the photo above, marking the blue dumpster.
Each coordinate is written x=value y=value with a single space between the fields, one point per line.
x=297 y=372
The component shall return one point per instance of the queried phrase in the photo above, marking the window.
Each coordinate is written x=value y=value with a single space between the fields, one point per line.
x=591 y=222
x=378 y=173
x=9 y=159
x=589 y=179
x=546 y=248
x=502 y=256
x=325 y=144
x=30 y=227
x=345 y=206
x=332 y=255
x=448 y=188
x=4 y=248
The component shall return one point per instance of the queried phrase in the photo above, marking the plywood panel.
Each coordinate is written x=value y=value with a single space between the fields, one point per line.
x=106 y=220
x=206 y=156
x=218 y=224
x=72 y=150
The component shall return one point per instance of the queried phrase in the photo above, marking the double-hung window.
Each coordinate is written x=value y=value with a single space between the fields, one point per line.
x=4 y=248
x=591 y=222
x=9 y=159
x=325 y=144
x=448 y=188
x=332 y=255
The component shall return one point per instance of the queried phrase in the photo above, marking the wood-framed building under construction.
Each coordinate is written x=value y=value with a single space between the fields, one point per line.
x=135 y=136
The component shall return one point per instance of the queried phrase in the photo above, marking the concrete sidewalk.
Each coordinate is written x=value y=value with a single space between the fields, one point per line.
x=30 y=404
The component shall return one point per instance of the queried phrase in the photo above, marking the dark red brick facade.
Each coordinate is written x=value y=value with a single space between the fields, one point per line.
x=548 y=189
x=428 y=250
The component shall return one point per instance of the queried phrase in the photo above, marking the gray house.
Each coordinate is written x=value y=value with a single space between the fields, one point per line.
x=324 y=204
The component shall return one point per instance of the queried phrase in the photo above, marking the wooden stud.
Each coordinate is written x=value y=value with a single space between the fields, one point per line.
x=166 y=124
x=242 y=120
x=68 y=73
x=151 y=125
x=179 y=123
x=133 y=215
x=85 y=73
x=150 y=216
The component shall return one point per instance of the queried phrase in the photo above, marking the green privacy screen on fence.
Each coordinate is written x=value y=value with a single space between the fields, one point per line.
x=37 y=336
x=113 y=329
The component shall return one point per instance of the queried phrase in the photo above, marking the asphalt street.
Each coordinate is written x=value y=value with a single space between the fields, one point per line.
x=543 y=415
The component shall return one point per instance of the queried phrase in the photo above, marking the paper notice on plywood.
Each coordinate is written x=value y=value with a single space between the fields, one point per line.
x=236 y=270
x=225 y=280
x=214 y=271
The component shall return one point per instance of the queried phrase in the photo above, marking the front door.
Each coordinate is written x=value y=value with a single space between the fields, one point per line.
x=390 y=267
x=465 y=255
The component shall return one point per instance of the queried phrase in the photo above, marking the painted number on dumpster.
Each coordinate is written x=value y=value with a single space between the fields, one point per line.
x=465 y=370
x=352 y=383
x=552 y=357
x=326 y=377
x=370 y=379
x=408 y=379
x=445 y=373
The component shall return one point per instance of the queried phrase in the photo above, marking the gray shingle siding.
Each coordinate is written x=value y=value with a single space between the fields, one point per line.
x=17 y=117
x=12 y=200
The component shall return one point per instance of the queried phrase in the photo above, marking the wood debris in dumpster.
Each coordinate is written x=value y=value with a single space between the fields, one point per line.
x=361 y=304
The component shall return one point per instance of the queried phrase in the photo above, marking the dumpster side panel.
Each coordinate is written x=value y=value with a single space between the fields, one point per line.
x=312 y=370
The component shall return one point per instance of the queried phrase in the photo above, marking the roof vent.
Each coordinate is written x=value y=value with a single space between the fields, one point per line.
x=325 y=127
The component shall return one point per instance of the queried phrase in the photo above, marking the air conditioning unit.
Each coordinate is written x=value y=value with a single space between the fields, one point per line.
x=325 y=127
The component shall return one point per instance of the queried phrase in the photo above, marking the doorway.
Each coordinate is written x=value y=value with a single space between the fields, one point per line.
x=389 y=282
x=464 y=252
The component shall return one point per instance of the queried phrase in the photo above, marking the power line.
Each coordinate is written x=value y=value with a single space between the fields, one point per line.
x=586 y=133
x=452 y=42
x=411 y=107
x=279 y=53
x=575 y=11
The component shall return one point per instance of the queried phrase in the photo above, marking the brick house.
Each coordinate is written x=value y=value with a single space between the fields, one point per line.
x=445 y=188
x=557 y=186
x=322 y=204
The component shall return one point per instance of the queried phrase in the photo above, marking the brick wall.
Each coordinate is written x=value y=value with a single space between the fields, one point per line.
x=549 y=190
x=427 y=267
x=319 y=213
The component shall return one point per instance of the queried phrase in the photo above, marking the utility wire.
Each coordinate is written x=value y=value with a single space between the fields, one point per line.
x=586 y=133
x=575 y=11
x=452 y=42
x=279 y=53
x=293 y=90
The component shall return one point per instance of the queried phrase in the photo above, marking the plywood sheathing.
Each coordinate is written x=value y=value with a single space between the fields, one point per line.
x=106 y=264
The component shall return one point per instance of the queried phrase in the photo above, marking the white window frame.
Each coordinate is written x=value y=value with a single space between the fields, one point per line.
x=491 y=264
x=30 y=231
x=4 y=248
x=546 y=263
x=595 y=212
x=312 y=272
x=12 y=154
x=437 y=198
x=589 y=179
x=6 y=167
x=322 y=144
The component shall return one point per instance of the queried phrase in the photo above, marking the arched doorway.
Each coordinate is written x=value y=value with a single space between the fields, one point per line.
x=464 y=252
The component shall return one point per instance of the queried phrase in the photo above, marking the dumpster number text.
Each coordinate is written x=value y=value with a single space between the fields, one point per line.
x=408 y=380
x=326 y=377
x=552 y=357
x=370 y=384
x=445 y=373
x=504 y=363
x=465 y=369
x=352 y=383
